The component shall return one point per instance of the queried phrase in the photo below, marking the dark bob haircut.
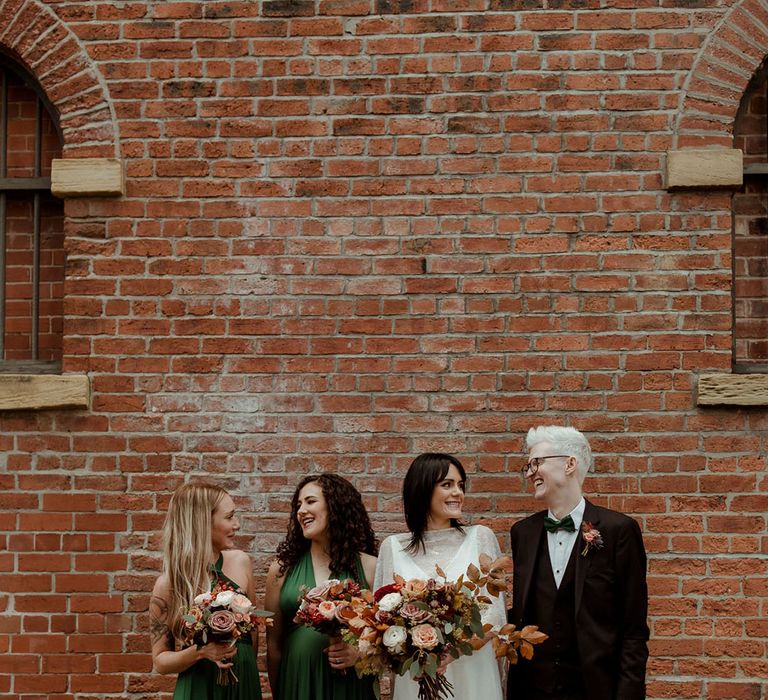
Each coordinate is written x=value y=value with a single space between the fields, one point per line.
x=425 y=472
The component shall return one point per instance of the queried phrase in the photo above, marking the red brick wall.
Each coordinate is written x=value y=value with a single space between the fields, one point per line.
x=357 y=230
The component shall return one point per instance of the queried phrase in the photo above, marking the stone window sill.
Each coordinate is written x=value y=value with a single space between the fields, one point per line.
x=20 y=392
x=733 y=390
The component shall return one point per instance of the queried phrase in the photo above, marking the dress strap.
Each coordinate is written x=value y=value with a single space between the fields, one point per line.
x=220 y=576
x=216 y=567
x=360 y=572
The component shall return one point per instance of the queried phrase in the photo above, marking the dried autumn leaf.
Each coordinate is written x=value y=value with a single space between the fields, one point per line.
x=476 y=643
x=533 y=635
x=503 y=563
x=494 y=589
x=526 y=650
x=439 y=571
x=485 y=563
x=473 y=573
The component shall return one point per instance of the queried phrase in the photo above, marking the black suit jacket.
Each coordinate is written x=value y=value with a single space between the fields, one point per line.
x=611 y=604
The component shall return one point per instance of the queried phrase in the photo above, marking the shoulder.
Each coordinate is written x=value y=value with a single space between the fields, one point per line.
x=237 y=559
x=368 y=562
x=161 y=597
x=529 y=522
x=367 y=559
x=274 y=577
x=482 y=532
x=162 y=587
x=610 y=518
x=397 y=541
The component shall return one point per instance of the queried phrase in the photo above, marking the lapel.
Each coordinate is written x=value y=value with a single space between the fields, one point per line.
x=530 y=548
x=591 y=515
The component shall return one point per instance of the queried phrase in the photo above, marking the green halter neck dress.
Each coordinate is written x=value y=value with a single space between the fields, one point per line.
x=198 y=682
x=305 y=673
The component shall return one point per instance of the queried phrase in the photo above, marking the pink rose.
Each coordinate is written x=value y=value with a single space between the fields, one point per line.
x=415 y=613
x=424 y=637
x=327 y=609
x=345 y=613
x=222 y=622
x=321 y=592
x=240 y=604
x=415 y=587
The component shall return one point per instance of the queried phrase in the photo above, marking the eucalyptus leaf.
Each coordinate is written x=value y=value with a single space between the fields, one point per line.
x=431 y=666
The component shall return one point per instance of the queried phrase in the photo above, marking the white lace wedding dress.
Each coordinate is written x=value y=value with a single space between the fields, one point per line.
x=475 y=676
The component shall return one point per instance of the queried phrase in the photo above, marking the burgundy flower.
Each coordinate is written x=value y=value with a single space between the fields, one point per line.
x=381 y=592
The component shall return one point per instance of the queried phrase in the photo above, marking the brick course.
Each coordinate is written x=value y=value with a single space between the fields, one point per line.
x=357 y=230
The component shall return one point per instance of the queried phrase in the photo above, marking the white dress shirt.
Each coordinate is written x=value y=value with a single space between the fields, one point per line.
x=561 y=542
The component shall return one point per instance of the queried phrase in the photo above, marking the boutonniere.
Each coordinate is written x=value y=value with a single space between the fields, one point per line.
x=591 y=537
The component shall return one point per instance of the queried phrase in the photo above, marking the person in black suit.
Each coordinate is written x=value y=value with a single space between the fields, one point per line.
x=579 y=574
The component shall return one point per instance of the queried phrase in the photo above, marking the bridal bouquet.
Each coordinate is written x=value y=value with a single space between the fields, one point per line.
x=412 y=626
x=223 y=616
x=328 y=608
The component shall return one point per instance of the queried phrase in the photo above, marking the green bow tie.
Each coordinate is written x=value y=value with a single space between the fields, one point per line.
x=552 y=525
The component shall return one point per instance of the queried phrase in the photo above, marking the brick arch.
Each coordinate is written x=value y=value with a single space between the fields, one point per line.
x=54 y=56
x=732 y=54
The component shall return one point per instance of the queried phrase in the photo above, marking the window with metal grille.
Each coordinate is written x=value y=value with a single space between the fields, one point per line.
x=31 y=227
x=750 y=231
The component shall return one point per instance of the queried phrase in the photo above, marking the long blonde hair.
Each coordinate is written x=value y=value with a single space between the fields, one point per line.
x=187 y=546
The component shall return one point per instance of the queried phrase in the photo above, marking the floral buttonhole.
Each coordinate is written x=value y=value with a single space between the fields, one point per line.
x=591 y=537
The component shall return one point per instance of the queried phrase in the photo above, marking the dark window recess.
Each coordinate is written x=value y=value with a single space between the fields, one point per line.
x=32 y=256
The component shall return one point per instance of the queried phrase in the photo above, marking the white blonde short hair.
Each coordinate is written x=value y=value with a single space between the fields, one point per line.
x=564 y=440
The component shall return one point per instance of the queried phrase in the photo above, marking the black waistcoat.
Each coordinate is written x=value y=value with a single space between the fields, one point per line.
x=555 y=664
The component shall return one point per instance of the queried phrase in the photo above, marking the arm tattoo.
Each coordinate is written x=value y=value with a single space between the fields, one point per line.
x=158 y=621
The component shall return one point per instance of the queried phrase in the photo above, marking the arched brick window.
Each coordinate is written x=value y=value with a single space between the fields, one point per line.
x=750 y=239
x=31 y=227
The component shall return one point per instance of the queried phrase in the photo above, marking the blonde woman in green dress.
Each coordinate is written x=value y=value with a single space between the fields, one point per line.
x=329 y=536
x=198 y=553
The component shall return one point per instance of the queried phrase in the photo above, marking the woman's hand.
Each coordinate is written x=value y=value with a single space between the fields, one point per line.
x=445 y=659
x=221 y=654
x=341 y=655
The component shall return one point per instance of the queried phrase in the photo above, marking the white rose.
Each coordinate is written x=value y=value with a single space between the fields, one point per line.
x=203 y=599
x=390 y=601
x=224 y=598
x=394 y=637
x=364 y=646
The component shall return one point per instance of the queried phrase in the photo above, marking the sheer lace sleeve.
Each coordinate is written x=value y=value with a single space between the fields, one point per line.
x=384 y=564
x=496 y=613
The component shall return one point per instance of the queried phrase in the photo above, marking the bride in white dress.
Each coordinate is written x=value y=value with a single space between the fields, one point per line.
x=433 y=497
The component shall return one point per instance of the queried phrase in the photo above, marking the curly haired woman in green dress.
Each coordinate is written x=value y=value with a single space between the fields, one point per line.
x=198 y=541
x=329 y=536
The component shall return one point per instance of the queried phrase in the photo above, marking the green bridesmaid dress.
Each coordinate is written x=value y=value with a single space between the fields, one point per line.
x=305 y=673
x=198 y=682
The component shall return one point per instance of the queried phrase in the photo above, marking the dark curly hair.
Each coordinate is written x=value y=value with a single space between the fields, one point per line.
x=349 y=527
x=426 y=472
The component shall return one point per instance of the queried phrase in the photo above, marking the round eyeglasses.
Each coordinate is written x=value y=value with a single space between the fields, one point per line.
x=535 y=463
